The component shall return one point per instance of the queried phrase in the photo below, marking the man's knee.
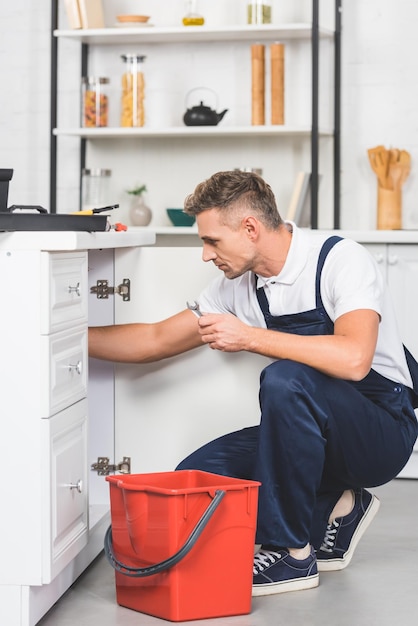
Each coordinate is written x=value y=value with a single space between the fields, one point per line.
x=285 y=375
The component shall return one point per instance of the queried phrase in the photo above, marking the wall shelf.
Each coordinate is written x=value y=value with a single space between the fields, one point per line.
x=309 y=32
x=190 y=131
x=191 y=34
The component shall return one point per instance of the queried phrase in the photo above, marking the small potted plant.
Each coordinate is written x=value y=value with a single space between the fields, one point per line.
x=139 y=213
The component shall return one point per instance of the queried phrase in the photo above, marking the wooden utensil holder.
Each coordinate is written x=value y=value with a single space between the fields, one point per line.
x=389 y=208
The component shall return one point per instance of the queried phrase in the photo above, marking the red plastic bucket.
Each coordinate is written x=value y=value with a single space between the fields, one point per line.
x=200 y=525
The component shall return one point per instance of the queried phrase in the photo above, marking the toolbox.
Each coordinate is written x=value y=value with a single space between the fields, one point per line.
x=37 y=218
x=51 y=221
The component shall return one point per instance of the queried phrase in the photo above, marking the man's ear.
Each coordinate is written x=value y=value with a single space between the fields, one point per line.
x=252 y=226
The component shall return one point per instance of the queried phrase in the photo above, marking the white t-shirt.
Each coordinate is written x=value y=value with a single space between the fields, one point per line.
x=350 y=280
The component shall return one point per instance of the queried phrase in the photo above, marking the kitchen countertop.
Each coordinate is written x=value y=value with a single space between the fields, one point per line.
x=162 y=236
x=187 y=236
x=75 y=240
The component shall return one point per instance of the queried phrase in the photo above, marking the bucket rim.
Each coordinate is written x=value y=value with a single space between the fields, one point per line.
x=145 y=483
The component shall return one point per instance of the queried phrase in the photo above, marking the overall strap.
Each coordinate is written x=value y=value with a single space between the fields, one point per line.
x=262 y=298
x=327 y=246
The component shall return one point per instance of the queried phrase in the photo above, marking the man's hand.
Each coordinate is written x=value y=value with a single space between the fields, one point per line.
x=224 y=332
x=348 y=353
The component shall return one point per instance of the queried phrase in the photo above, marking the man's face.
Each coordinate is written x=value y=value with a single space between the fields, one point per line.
x=231 y=250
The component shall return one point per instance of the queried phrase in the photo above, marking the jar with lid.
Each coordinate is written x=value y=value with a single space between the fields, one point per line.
x=95 y=101
x=133 y=91
x=95 y=188
x=259 y=12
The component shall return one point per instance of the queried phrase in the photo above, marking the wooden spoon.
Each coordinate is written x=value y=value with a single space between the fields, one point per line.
x=405 y=163
x=379 y=160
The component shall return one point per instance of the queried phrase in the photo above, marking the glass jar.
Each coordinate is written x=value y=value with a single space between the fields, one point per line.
x=133 y=91
x=258 y=12
x=95 y=188
x=254 y=170
x=95 y=101
x=192 y=17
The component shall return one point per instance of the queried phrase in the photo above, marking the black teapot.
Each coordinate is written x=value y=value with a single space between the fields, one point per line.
x=202 y=115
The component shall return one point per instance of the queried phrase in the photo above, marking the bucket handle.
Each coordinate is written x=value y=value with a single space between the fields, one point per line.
x=142 y=572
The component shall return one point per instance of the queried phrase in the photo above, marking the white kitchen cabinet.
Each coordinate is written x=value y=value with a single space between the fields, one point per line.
x=180 y=59
x=166 y=410
x=53 y=517
x=65 y=522
x=399 y=265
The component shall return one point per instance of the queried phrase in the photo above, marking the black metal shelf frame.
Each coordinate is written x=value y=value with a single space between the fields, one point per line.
x=314 y=105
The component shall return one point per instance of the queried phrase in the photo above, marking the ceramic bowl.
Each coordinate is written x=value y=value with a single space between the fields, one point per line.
x=179 y=218
x=141 y=19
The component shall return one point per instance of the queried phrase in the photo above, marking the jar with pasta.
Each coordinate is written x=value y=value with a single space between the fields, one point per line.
x=133 y=91
x=95 y=101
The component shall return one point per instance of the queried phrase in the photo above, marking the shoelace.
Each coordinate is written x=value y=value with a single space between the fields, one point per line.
x=264 y=559
x=330 y=537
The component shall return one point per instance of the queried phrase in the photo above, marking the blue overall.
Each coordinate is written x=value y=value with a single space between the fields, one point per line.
x=317 y=437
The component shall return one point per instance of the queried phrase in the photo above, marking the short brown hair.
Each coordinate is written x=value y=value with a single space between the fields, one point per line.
x=232 y=191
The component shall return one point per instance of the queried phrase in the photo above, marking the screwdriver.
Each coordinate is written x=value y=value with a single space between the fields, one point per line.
x=93 y=211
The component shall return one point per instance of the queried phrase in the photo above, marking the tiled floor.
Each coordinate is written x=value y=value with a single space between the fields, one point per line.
x=379 y=588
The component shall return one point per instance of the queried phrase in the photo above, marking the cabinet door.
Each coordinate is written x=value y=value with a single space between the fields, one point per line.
x=402 y=269
x=65 y=496
x=399 y=264
x=167 y=409
x=402 y=272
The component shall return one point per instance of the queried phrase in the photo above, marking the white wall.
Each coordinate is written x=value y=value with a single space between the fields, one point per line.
x=379 y=92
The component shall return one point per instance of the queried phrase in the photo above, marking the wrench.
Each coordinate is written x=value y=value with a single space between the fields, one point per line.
x=194 y=306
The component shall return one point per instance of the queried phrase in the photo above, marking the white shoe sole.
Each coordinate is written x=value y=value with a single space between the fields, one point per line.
x=297 y=584
x=333 y=565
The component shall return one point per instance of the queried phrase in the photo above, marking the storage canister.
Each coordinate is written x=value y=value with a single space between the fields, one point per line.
x=95 y=188
x=133 y=91
x=95 y=101
x=259 y=12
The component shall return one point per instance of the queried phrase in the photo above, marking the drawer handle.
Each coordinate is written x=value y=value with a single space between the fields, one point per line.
x=77 y=367
x=78 y=485
x=75 y=289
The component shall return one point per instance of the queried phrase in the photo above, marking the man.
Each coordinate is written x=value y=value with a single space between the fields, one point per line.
x=337 y=402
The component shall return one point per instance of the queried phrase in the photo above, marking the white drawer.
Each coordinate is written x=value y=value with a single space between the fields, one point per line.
x=63 y=290
x=65 y=488
x=64 y=370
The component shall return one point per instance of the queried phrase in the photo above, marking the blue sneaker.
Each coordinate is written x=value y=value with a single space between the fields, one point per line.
x=344 y=533
x=275 y=571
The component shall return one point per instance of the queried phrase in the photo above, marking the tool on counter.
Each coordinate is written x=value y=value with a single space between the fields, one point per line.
x=392 y=167
x=99 y=210
x=118 y=227
x=194 y=306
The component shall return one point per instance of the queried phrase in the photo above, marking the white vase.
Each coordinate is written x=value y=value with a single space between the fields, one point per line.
x=140 y=214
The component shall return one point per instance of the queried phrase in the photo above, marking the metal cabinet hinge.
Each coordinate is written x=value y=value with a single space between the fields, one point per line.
x=104 y=468
x=103 y=290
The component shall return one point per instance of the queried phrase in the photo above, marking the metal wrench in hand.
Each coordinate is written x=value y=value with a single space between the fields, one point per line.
x=194 y=306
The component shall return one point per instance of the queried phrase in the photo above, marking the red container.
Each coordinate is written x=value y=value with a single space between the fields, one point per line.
x=152 y=517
